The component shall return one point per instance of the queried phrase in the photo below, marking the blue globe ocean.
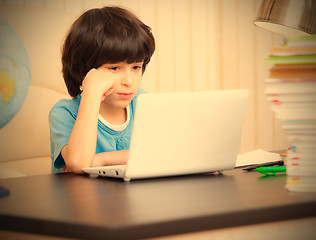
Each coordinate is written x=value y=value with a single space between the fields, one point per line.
x=15 y=73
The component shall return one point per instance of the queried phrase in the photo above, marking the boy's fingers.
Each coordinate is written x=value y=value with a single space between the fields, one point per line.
x=64 y=169
x=107 y=93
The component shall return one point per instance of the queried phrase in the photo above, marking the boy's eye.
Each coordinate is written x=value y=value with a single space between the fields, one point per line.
x=114 y=68
x=137 y=67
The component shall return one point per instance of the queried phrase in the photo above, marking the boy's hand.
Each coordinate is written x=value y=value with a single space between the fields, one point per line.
x=65 y=169
x=100 y=82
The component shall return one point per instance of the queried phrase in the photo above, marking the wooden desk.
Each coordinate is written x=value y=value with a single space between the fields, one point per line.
x=76 y=206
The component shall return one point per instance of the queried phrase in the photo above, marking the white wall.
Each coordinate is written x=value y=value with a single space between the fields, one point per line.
x=201 y=45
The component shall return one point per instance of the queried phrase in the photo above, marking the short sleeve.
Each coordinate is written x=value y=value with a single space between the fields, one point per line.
x=61 y=122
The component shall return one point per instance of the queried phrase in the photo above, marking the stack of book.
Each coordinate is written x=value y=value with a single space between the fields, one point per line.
x=291 y=90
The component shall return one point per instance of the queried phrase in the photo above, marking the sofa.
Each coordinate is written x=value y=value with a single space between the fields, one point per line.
x=25 y=146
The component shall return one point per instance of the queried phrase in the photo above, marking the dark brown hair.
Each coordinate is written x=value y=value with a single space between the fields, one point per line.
x=104 y=35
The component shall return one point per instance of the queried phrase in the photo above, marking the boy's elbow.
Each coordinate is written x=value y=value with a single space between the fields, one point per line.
x=76 y=166
x=76 y=169
x=75 y=163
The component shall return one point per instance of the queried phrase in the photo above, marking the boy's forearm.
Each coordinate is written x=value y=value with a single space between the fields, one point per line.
x=110 y=158
x=80 y=150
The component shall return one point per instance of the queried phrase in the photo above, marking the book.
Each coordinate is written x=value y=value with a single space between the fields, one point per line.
x=278 y=98
x=303 y=41
x=290 y=85
x=301 y=59
x=293 y=71
x=292 y=51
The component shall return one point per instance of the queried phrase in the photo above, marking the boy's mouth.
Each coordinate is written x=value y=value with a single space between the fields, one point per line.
x=125 y=95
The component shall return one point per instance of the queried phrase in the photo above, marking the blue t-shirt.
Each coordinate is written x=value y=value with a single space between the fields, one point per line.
x=62 y=118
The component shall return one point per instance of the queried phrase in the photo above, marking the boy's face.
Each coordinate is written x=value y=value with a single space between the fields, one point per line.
x=128 y=79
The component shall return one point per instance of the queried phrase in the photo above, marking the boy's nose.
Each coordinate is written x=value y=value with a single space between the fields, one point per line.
x=127 y=79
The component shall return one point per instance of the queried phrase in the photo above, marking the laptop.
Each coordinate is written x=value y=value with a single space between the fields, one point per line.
x=182 y=133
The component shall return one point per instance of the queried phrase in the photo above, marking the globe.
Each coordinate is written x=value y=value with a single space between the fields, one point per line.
x=15 y=73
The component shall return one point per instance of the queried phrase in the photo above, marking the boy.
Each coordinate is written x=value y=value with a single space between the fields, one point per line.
x=104 y=56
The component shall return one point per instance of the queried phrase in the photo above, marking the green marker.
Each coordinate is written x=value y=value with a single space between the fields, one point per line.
x=271 y=171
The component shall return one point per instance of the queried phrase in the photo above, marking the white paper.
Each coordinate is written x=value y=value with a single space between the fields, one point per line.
x=257 y=156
